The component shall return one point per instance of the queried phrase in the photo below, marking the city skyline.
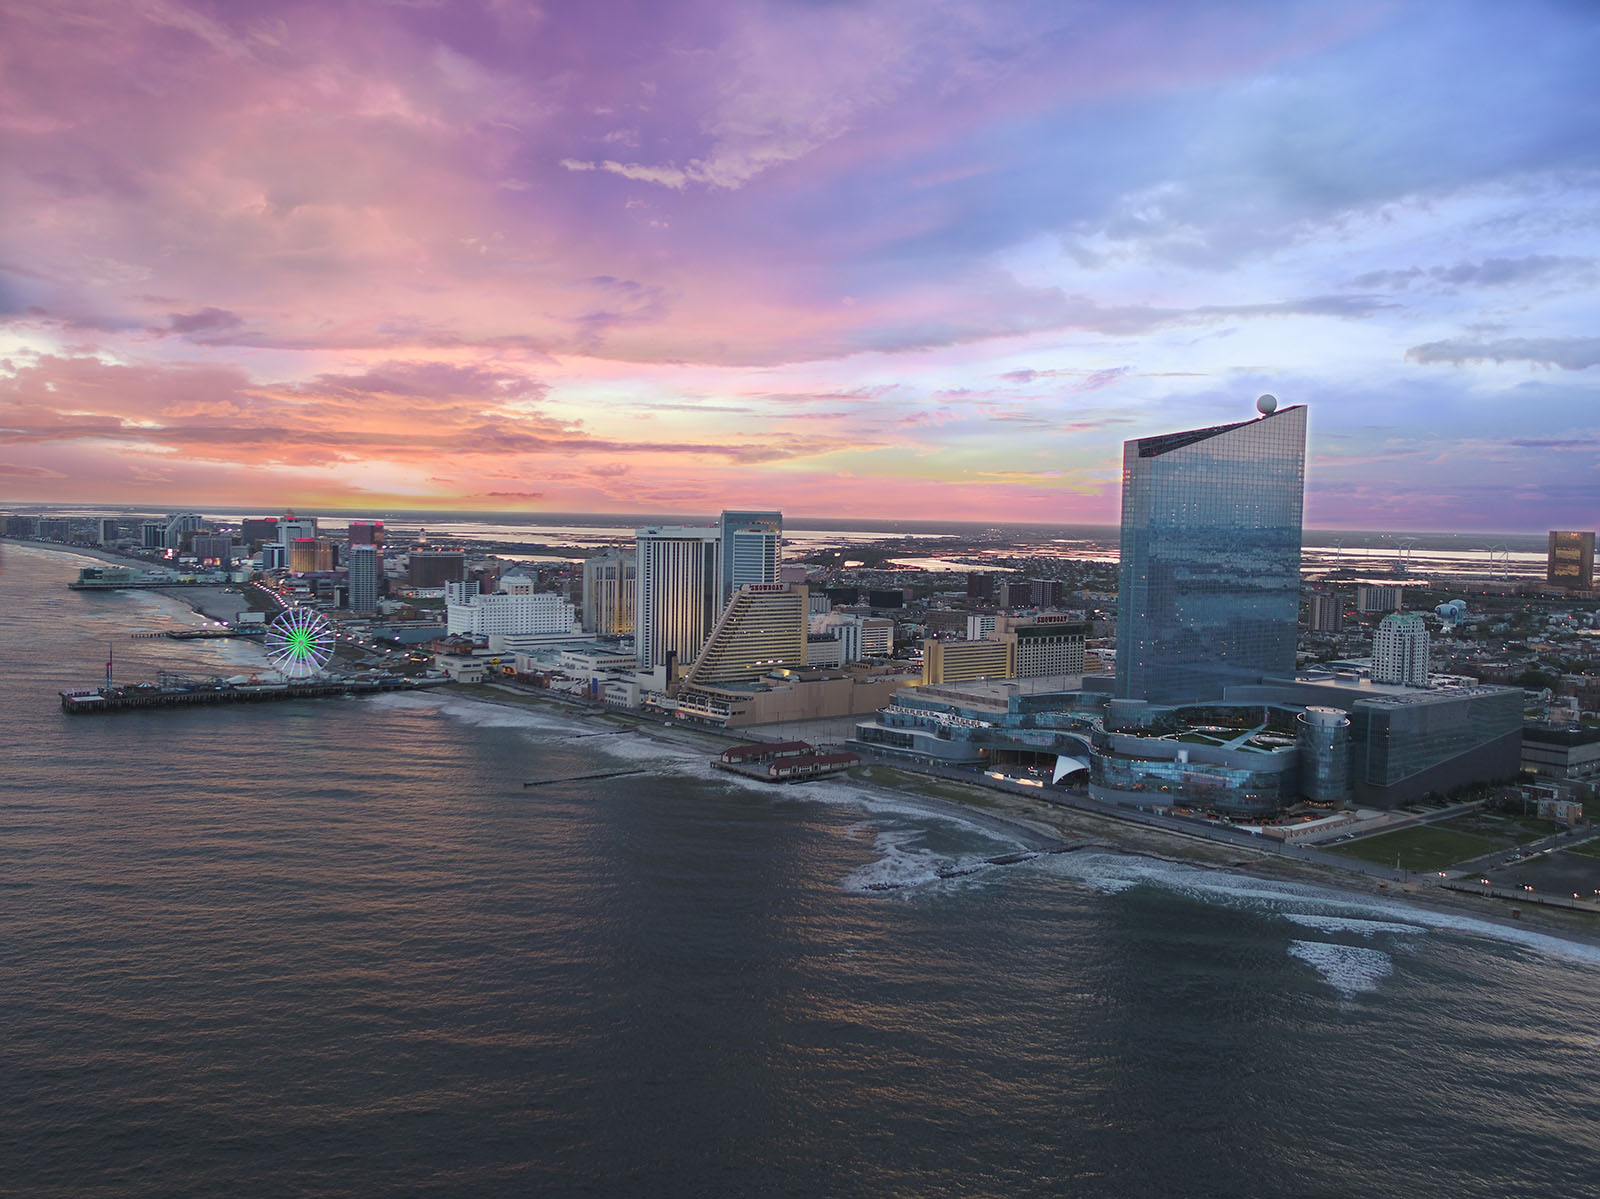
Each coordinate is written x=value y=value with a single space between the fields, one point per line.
x=877 y=260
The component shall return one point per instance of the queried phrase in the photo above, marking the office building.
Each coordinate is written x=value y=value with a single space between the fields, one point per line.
x=762 y=629
x=366 y=532
x=1325 y=612
x=610 y=579
x=677 y=589
x=980 y=626
x=366 y=578
x=107 y=530
x=291 y=528
x=1209 y=580
x=750 y=544
x=152 y=534
x=1561 y=751
x=213 y=547
x=1378 y=597
x=431 y=568
x=255 y=531
x=179 y=526
x=863 y=636
x=1400 y=650
x=1571 y=561
x=980 y=584
x=516 y=611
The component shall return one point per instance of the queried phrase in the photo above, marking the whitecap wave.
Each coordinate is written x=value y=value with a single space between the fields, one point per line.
x=1350 y=924
x=1349 y=969
x=905 y=865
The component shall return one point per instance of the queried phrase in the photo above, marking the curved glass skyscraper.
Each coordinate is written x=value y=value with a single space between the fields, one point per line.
x=1208 y=591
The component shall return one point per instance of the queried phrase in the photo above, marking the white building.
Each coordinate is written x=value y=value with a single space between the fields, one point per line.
x=291 y=528
x=515 y=611
x=1400 y=650
x=980 y=626
x=678 y=590
x=863 y=636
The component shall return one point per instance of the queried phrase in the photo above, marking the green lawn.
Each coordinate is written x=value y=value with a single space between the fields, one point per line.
x=1428 y=847
x=1589 y=849
x=905 y=780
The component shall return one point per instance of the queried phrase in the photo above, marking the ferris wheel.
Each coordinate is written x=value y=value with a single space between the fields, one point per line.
x=299 y=643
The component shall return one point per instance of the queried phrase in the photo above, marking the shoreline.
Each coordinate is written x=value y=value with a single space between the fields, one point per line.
x=1050 y=826
x=1043 y=823
x=191 y=597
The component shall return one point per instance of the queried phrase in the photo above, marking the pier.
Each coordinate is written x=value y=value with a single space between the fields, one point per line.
x=150 y=695
x=200 y=634
x=581 y=778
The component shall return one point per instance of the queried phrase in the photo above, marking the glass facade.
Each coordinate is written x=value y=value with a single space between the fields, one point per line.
x=1209 y=583
x=1227 y=789
x=1404 y=737
x=1323 y=739
x=750 y=547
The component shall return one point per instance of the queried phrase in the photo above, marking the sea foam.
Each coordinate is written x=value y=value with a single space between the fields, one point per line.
x=1349 y=969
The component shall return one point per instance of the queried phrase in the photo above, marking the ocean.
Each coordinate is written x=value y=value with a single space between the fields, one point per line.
x=337 y=948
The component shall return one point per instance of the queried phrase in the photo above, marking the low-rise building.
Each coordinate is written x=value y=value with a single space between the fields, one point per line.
x=1561 y=751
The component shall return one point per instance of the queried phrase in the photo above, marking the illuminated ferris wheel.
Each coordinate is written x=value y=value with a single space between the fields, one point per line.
x=299 y=643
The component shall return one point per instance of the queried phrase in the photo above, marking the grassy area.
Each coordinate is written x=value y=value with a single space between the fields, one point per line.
x=1589 y=849
x=919 y=784
x=1427 y=847
x=1507 y=828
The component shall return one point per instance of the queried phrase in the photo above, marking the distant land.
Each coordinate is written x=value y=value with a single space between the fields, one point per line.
x=1523 y=542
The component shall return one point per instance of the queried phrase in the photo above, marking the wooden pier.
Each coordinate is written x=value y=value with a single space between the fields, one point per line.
x=125 y=699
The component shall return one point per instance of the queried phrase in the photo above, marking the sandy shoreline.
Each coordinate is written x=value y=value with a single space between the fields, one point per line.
x=1047 y=826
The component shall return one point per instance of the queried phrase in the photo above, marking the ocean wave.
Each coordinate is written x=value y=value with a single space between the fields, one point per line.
x=479 y=713
x=1349 y=969
x=1350 y=924
x=1300 y=902
x=905 y=865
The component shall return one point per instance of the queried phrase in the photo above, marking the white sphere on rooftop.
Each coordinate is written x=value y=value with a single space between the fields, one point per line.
x=1267 y=405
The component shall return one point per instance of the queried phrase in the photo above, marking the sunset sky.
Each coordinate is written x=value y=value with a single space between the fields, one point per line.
x=917 y=259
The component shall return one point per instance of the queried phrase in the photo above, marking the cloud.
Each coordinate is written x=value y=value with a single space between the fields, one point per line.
x=205 y=320
x=1568 y=353
x=1491 y=272
x=406 y=413
x=14 y=471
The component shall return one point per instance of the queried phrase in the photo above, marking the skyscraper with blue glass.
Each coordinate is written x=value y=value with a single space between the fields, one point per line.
x=1208 y=590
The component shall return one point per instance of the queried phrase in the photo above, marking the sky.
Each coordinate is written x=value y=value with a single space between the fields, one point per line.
x=905 y=258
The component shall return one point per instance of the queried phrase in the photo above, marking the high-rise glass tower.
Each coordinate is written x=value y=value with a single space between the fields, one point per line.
x=750 y=545
x=1208 y=590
